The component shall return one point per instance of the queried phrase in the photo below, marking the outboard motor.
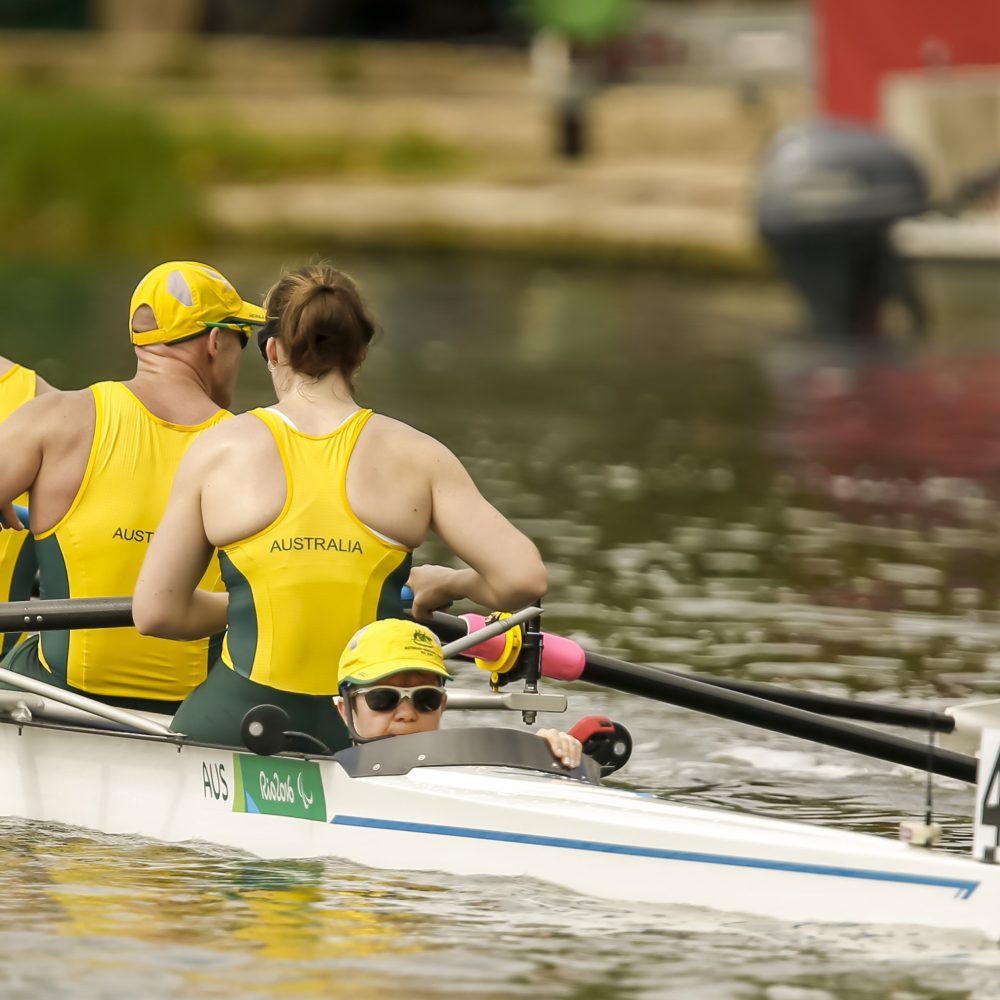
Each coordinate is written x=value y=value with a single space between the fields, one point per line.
x=828 y=193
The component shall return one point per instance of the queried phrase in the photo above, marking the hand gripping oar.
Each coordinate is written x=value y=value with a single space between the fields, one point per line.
x=565 y=660
x=22 y=513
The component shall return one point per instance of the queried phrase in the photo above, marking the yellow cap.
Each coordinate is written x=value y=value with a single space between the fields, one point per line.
x=185 y=297
x=387 y=647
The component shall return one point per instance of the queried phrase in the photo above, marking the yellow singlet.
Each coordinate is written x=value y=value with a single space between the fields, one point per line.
x=17 y=560
x=97 y=548
x=301 y=587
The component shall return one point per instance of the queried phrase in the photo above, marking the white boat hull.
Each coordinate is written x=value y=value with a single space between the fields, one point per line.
x=487 y=821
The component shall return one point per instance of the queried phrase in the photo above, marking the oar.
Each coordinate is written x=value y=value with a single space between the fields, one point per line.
x=700 y=695
x=563 y=659
x=73 y=612
x=960 y=721
x=116 y=612
x=572 y=662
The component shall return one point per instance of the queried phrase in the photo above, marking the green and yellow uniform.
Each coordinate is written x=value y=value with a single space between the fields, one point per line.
x=298 y=590
x=96 y=550
x=17 y=554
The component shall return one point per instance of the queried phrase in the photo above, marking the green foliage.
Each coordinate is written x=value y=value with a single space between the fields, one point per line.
x=580 y=20
x=228 y=157
x=413 y=153
x=79 y=173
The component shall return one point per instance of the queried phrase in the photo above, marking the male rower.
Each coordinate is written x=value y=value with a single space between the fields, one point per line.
x=17 y=553
x=98 y=464
x=391 y=680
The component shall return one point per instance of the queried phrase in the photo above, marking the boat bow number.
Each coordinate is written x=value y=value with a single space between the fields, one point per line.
x=986 y=839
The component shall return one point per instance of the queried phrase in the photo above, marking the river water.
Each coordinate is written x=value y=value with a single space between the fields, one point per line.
x=709 y=491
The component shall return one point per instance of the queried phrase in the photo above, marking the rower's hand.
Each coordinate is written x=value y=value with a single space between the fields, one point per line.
x=9 y=518
x=433 y=588
x=565 y=748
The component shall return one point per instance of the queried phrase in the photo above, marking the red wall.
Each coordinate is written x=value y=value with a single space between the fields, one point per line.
x=858 y=41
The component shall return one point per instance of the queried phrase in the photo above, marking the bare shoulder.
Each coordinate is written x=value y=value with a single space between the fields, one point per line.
x=75 y=405
x=231 y=438
x=402 y=439
x=5 y=365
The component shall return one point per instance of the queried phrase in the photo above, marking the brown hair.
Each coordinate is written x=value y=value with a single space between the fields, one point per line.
x=322 y=322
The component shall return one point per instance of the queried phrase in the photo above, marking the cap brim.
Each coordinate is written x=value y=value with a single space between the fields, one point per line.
x=251 y=313
x=369 y=675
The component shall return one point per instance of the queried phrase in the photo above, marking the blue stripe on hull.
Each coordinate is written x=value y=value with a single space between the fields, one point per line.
x=963 y=888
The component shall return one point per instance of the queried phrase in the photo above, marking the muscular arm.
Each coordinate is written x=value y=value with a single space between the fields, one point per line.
x=167 y=601
x=44 y=446
x=505 y=569
x=21 y=444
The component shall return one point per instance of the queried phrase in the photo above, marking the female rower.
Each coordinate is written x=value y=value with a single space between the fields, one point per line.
x=391 y=681
x=315 y=505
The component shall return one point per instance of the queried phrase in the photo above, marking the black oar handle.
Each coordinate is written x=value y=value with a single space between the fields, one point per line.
x=89 y=612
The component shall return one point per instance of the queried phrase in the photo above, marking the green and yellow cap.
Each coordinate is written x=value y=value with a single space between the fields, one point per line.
x=387 y=647
x=186 y=297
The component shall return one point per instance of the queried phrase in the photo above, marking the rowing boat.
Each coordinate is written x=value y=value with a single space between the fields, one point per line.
x=484 y=802
x=481 y=802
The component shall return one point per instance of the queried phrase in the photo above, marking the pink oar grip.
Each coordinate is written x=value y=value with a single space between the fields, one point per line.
x=562 y=659
x=491 y=649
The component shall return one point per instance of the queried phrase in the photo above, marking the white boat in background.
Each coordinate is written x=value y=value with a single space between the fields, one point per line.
x=481 y=802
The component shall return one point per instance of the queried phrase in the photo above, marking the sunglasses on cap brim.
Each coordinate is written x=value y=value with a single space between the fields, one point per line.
x=385 y=698
x=242 y=327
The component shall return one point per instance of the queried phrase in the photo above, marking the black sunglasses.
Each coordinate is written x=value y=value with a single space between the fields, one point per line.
x=265 y=333
x=242 y=330
x=386 y=698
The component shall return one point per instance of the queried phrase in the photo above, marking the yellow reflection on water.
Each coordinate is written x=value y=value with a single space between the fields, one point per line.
x=304 y=918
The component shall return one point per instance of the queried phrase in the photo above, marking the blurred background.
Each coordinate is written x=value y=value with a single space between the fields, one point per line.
x=704 y=294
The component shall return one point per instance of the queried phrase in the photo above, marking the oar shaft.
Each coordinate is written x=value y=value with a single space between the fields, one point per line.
x=88 y=612
x=702 y=695
x=685 y=692
x=825 y=704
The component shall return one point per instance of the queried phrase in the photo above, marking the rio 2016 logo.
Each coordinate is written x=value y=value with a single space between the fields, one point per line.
x=278 y=787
